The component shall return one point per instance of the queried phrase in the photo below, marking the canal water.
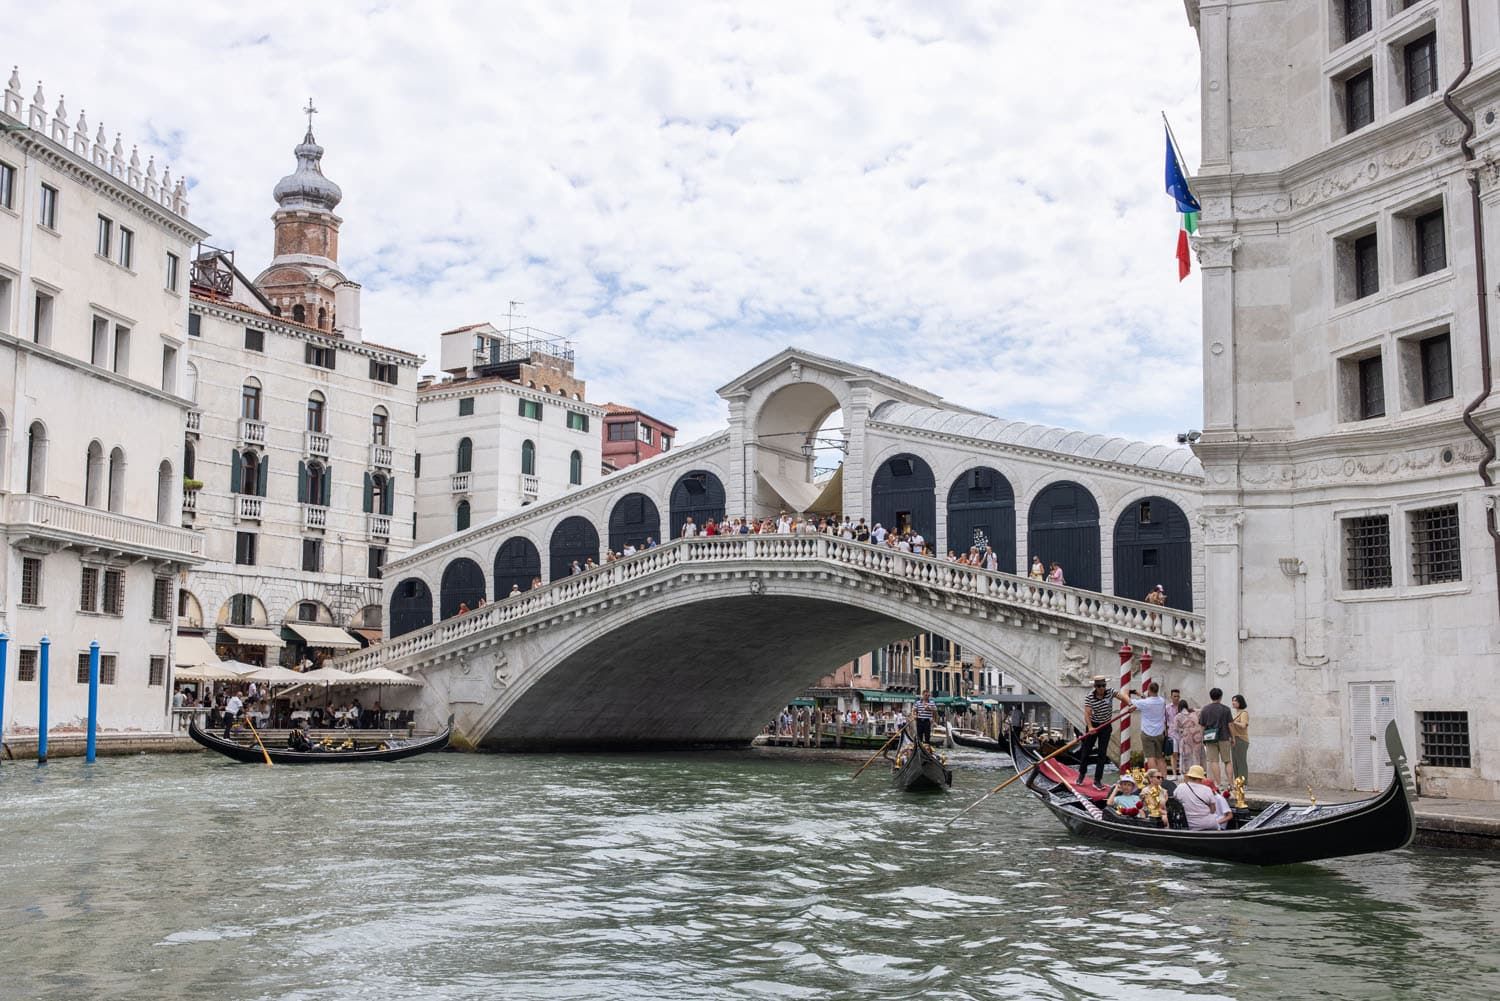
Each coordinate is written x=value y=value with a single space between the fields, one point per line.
x=675 y=876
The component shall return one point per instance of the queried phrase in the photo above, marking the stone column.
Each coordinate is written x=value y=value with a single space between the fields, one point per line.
x=856 y=484
x=1222 y=620
x=740 y=490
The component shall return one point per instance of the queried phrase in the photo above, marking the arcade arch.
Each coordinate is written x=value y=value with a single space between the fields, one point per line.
x=982 y=512
x=698 y=494
x=1153 y=544
x=463 y=584
x=411 y=606
x=632 y=521
x=517 y=564
x=903 y=498
x=1062 y=527
x=574 y=539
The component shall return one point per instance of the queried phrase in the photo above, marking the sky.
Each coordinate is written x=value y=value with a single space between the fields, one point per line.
x=967 y=196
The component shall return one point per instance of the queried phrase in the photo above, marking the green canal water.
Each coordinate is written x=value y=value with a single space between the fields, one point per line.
x=674 y=876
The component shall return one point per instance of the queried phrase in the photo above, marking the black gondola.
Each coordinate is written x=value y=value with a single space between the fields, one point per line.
x=384 y=750
x=977 y=740
x=918 y=768
x=1278 y=835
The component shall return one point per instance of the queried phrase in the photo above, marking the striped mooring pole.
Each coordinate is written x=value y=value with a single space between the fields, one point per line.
x=1125 y=654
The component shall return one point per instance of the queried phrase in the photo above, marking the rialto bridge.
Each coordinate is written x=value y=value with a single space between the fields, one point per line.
x=700 y=640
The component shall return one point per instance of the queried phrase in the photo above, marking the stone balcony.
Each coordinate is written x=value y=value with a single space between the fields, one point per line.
x=248 y=507
x=459 y=484
x=252 y=432
x=50 y=521
x=316 y=444
x=194 y=421
x=531 y=487
x=378 y=525
x=382 y=456
x=314 y=516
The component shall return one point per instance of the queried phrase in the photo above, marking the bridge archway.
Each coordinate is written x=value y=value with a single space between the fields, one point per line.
x=633 y=520
x=517 y=564
x=1063 y=527
x=463 y=583
x=697 y=493
x=411 y=606
x=982 y=511
x=799 y=442
x=575 y=538
x=1154 y=545
x=903 y=495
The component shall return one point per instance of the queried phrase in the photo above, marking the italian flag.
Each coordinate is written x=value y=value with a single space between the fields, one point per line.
x=1187 y=207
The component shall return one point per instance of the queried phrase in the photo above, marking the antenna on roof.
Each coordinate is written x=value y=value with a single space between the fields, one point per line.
x=510 y=315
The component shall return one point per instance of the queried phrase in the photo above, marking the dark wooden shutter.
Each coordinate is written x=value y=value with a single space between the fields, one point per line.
x=235 y=471
x=327 y=486
x=262 y=475
x=301 y=482
x=369 y=490
x=388 y=499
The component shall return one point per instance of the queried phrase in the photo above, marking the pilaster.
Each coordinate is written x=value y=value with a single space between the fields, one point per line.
x=1216 y=258
x=1222 y=619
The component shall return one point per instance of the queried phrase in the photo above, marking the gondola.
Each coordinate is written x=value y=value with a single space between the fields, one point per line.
x=1279 y=834
x=383 y=750
x=976 y=739
x=917 y=768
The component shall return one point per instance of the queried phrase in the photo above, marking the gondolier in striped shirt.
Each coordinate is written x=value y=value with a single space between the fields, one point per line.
x=923 y=711
x=1098 y=710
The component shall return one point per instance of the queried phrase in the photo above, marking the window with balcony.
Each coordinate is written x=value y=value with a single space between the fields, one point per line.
x=250 y=400
x=380 y=427
x=1435 y=553
x=248 y=473
x=380 y=494
x=1367 y=552
x=465 y=456
x=1419 y=63
x=528 y=458
x=244 y=549
x=314 y=484
x=316 y=413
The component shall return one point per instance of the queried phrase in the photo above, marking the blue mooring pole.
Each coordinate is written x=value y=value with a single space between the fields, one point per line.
x=4 y=646
x=41 y=706
x=88 y=754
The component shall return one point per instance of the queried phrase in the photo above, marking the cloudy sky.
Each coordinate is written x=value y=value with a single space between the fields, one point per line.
x=965 y=195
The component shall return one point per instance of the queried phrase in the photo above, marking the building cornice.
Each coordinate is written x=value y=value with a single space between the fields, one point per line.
x=454 y=390
x=259 y=320
x=104 y=375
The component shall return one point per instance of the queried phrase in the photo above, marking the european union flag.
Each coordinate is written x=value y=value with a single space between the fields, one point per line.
x=1177 y=185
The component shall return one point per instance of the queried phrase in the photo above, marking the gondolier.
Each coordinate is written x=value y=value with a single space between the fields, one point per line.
x=923 y=711
x=1098 y=710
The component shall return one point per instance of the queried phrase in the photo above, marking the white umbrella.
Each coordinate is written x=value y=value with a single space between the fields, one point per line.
x=206 y=672
x=328 y=676
x=239 y=667
x=275 y=675
x=385 y=676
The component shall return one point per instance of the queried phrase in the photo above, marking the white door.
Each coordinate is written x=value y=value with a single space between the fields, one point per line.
x=1372 y=705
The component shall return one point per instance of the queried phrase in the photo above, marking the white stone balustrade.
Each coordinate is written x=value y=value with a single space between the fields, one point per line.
x=194 y=419
x=531 y=486
x=252 y=432
x=378 y=525
x=247 y=507
x=317 y=444
x=75 y=524
x=314 y=516
x=382 y=457
x=460 y=483
x=190 y=502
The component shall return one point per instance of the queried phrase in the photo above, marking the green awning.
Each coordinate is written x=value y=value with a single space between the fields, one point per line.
x=951 y=700
x=888 y=696
x=803 y=703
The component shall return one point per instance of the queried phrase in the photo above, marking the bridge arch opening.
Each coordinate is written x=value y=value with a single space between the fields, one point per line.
x=632 y=521
x=517 y=564
x=903 y=497
x=1154 y=545
x=799 y=451
x=697 y=494
x=1063 y=528
x=574 y=540
x=463 y=584
x=411 y=606
x=982 y=512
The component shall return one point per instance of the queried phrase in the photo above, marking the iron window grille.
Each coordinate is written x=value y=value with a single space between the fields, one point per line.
x=88 y=590
x=1420 y=57
x=161 y=598
x=31 y=580
x=1367 y=552
x=114 y=592
x=1445 y=739
x=1435 y=552
x=157 y=675
x=106 y=668
x=26 y=665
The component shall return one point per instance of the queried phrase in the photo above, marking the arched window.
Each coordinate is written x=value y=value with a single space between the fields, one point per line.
x=190 y=382
x=575 y=468
x=528 y=458
x=117 y=479
x=380 y=427
x=164 y=493
x=36 y=458
x=299 y=313
x=322 y=318
x=465 y=455
x=314 y=483
x=316 y=413
x=463 y=515
x=189 y=461
x=245 y=478
x=93 y=476
x=380 y=494
x=250 y=399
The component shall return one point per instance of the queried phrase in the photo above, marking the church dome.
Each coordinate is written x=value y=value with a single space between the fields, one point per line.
x=306 y=187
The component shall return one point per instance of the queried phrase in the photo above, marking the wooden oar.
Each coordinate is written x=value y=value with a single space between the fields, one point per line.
x=1089 y=806
x=1049 y=757
x=894 y=737
x=251 y=725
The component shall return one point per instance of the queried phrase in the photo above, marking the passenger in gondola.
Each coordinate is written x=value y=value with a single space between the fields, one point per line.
x=1206 y=810
x=297 y=739
x=1124 y=798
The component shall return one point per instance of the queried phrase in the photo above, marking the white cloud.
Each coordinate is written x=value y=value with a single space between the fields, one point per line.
x=968 y=196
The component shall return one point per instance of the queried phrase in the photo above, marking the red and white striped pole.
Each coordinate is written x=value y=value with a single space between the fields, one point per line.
x=1125 y=654
x=1145 y=672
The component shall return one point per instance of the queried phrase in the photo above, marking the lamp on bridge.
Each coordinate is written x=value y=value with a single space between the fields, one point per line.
x=810 y=445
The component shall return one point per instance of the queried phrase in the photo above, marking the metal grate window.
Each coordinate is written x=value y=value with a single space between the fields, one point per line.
x=1367 y=552
x=158 y=673
x=83 y=669
x=1421 y=67
x=88 y=590
x=31 y=580
x=1445 y=739
x=114 y=592
x=1435 y=556
x=26 y=666
x=161 y=598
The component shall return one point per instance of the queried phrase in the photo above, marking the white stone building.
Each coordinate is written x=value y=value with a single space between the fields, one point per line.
x=93 y=317
x=1349 y=419
x=506 y=426
x=300 y=447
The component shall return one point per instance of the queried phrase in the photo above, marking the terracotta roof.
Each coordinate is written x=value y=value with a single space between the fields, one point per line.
x=464 y=329
x=619 y=409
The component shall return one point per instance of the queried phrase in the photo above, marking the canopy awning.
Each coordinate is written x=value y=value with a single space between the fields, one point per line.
x=951 y=700
x=193 y=651
x=274 y=675
x=798 y=495
x=371 y=636
x=804 y=703
x=328 y=676
x=831 y=498
x=385 y=676
x=205 y=672
x=253 y=636
x=324 y=636
x=888 y=696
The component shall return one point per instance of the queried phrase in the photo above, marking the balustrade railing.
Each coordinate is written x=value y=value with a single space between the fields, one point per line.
x=379 y=525
x=990 y=585
x=190 y=502
x=247 y=507
x=314 y=516
x=194 y=419
x=252 y=432
x=531 y=486
x=459 y=483
x=382 y=457
x=47 y=516
x=317 y=444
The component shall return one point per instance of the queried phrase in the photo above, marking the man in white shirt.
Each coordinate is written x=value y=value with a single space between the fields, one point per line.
x=878 y=535
x=232 y=711
x=1206 y=810
x=917 y=543
x=1153 y=710
x=689 y=528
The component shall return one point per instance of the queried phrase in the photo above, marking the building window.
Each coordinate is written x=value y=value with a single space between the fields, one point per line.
x=621 y=431
x=88 y=590
x=7 y=186
x=31 y=580
x=244 y=549
x=122 y=350
x=315 y=413
x=7 y=286
x=299 y=313
x=1445 y=739
x=161 y=598
x=114 y=592
x=577 y=421
x=1366 y=266
x=375 y=562
x=48 y=215
x=307 y=611
x=1435 y=555
x=380 y=425
x=312 y=555
x=531 y=409
x=465 y=455
x=242 y=610
x=1356 y=17
x=320 y=356
x=26 y=665
x=381 y=371
x=168 y=369
x=174 y=264
x=314 y=484
x=1359 y=100
x=106 y=668
x=466 y=406
x=1420 y=63
x=575 y=468
x=127 y=248
x=416 y=464
x=157 y=675
x=41 y=318
x=1143 y=513
x=195 y=325
x=666 y=443
x=528 y=458
x=1371 y=388
x=1367 y=552
x=1437 y=368
x=462 y=519
x=250 y=401
x=648 y=434
x=255 y=340
x=1431 y=242
x=106 y=237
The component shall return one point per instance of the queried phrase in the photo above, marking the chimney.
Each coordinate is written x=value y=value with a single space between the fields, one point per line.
x=346 y=308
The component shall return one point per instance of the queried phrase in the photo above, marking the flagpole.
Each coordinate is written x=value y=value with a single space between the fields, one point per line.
x=1176 y=146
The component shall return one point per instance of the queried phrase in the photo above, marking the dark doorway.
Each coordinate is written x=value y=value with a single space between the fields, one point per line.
x=517 y=564
x=633 y=520
x=574 y=539
x=982 y=512
x=1064 y=528
x=1154 y=545
x=698 y=495
x=411 y=606
x=463 y=583
x=903 y=496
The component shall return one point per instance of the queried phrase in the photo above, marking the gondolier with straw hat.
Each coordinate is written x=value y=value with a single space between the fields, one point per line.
x=1098 y=711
